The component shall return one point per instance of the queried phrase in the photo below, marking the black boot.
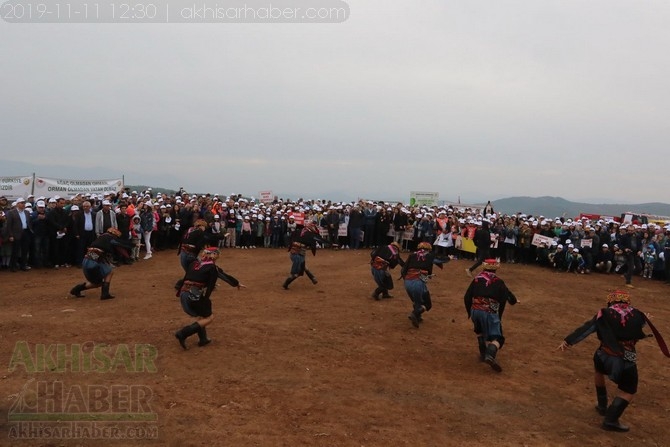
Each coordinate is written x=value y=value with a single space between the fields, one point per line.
x=490 y=357
x=419 y=315
x=288 y=281
x=614 y=412
x=202 y=335
x=385 y=294
x=105 y=295
x=76 y=290
x=376 y=293
x=185 y=332
x=414 y=318
x=311 y=276
x=601 y=394
x=482 y=348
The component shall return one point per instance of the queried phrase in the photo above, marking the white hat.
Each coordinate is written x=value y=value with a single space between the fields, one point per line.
x=216 y=216
x=20 y=200
x=106 y=202
x=40 y=203
x=29 y=205
x=74 y=208
x=52 y=200
x=606 y=246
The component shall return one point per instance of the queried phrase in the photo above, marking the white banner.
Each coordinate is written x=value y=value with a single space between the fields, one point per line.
x=342 y=230
x=50 y=187
x=15 y=187
x=265 y=196
x=539 y=239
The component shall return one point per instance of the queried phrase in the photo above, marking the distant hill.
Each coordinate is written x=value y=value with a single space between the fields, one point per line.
x=558 y=206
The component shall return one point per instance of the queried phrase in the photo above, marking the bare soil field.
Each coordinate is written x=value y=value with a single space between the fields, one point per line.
x=325 y=364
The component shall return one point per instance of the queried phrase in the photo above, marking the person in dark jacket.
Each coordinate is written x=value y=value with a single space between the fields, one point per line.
x=416 y=272
x=17 y=231
x=196 y=238
x=356 y=222
x=482 y=240
x=618 y=327
x=332 y=224
x=382 y=260
x=604 y=259
x=59 y=221
x=97 y=264
x=197 y=286
x=40 y=253
x=83 y=231
x=485 y=302
x=631 y=245
x=302 y=239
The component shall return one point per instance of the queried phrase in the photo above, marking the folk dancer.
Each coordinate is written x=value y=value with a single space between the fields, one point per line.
x=618 y=327
x=303 y=239
x=97 y=264
x=485 y=302
x=383 y=259
x=416 y=272
x=197 y=286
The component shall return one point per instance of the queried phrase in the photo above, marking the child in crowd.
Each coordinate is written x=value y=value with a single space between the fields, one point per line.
x=649 y=258
x=135 y=232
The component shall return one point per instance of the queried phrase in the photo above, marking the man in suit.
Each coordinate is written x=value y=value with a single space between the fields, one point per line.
x=18 y=231
x=84 y=230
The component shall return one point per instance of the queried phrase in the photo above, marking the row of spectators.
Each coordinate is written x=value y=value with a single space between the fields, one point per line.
x=61 y=228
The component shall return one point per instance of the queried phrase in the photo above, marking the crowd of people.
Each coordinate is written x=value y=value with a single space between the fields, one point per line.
x=55 y=232
x=96 y=232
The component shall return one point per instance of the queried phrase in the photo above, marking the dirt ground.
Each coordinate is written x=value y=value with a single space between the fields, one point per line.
x=326 y=365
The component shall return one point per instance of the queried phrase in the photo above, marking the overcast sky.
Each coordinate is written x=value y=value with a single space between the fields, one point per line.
x=469 y=98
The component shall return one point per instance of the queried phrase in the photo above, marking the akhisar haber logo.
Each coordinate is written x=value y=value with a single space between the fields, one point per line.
x=26 y=181
x=40 y=183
